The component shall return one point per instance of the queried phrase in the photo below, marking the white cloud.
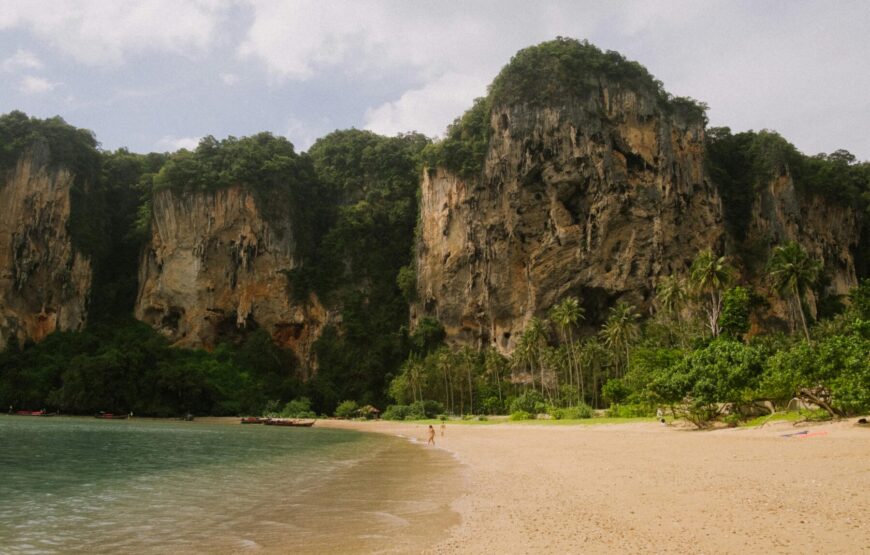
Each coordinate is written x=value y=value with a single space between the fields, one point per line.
x=428 y=109
x=96 y=32
x=229 y=79
x=22 y=59
x=36 y=85
x=172 y=143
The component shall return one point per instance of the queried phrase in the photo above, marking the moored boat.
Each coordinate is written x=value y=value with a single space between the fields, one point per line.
x=111 y=416
x=289 y=422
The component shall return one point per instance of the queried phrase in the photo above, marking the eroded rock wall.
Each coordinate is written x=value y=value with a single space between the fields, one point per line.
x=215 y=267
x=44 y=280
x=830 y=232
x=596 y=198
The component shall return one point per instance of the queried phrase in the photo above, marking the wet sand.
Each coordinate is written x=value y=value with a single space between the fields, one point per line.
x=631 y=488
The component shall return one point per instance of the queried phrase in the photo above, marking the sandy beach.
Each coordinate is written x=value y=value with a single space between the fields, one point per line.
x=643 y=487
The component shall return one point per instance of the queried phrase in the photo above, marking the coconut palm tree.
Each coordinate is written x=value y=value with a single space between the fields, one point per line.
x=621 y=330
x=792 y=272
x=566 y=315
x=530 y=347
x=710 y=274
x=594 y=359
x=670 y=299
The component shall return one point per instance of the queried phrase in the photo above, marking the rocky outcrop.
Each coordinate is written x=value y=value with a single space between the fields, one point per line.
x=830 y=232
x=215 y=268
x=596 y=197
x=44 y=280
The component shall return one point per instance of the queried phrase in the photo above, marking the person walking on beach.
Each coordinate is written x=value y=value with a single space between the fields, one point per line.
x=431 y=436
x=443 y=428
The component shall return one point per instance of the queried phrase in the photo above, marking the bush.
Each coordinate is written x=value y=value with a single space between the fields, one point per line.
x=629 y=411
x=426 y=409
x=522 y=415
x=615 y=391
x=396 y=412
x=570 y=413
x=347 y=409
x=530 y=401
x=298 y=408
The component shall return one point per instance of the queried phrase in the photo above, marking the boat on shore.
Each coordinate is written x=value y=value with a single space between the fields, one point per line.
x=289 y=422
x=34 y=413
x=111 y=416
x=253 y=420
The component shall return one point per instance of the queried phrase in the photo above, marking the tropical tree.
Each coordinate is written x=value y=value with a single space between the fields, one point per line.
x=671 y=296
x=791 y=272
x=566 y=314
x=530 y=349
x=621 y=330
x=710 y=274
x=594 y=356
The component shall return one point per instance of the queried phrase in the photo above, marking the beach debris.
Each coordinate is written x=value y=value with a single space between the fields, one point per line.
x=805 y=433
x=862 y=422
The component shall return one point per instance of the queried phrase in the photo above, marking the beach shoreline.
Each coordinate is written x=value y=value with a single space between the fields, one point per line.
x=643 y=487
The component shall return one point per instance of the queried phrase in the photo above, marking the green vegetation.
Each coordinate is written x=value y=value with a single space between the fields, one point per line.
x=741 y=164
x=464 y=148
x=283 y=182
x=675 y=361
x=128 y=367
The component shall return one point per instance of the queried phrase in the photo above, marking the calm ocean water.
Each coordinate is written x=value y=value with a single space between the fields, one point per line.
x=144 y=486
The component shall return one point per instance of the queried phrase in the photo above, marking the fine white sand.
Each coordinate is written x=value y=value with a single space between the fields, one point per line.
x=632 y=488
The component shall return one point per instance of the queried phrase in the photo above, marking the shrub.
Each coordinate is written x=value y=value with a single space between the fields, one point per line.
x=426 y=409
x=347 y=409
x=396 y=412
x=530 y=401
x=629 y=411
x=298 y=408
x=615 y=391
x=521 y=415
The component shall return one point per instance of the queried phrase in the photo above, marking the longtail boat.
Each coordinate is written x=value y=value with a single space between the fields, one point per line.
x=34 y=413
x=111 y=416
x=289 y=422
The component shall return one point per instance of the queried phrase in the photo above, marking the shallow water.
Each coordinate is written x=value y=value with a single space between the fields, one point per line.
x=144 y=486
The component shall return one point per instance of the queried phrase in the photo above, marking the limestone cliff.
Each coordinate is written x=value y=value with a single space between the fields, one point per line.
x=214 y=266
x=596 y=196
x=830 y=232
x=44 y=279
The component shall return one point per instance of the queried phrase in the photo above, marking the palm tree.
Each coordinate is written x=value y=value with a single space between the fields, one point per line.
x=670 y=300
x=621 y=329
x=594 y=357
x=711 y=274
x=531 y=345
x=566 y=314
x=792 y=272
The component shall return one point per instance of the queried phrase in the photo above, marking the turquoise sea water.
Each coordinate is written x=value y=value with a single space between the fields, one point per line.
x=145 y=486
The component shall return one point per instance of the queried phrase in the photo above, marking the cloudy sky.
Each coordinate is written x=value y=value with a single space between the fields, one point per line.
x=159 y=74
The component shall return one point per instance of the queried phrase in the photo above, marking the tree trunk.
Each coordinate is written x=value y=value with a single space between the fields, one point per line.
x=800 y=308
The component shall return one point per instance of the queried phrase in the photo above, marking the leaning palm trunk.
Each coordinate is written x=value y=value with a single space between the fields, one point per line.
x=800 y=309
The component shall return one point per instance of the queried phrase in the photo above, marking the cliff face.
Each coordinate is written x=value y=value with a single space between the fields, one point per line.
x=44 y=280
x=215 y=266
x=828 y=231
x=594 y=198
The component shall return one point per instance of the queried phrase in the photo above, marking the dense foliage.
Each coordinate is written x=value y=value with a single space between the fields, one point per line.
x=128 y=367
x=59 y=145
x=741 y=164
x=365 y=246
x=677 y=363
x=284 y=183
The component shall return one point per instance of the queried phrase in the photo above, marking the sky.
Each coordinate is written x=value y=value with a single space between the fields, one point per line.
x=156 y=75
